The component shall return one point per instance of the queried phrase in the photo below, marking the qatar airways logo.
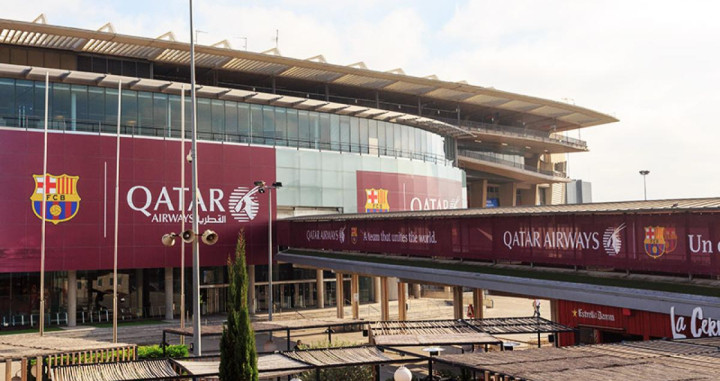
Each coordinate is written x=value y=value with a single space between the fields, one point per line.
x=326 y=235
x=434 y=203
x=164 y=206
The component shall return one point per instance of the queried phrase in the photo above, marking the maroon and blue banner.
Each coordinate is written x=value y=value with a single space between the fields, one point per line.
x=679 y=243
x=79 y=192
x=380 y=192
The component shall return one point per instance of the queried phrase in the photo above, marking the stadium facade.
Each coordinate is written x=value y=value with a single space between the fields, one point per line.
x=341 y=139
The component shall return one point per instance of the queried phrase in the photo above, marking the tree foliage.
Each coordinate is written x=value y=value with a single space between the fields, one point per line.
x=238 y=355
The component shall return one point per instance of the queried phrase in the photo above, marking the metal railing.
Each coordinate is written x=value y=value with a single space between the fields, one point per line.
x=493 y=159
x=87 y=126
x=524 y=133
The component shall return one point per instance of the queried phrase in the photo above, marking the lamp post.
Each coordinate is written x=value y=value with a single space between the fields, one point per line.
x=262 y=187
x=197 y=344
x=644 y=174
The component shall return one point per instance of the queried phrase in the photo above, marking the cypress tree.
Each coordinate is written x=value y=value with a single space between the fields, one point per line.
x=238 y=356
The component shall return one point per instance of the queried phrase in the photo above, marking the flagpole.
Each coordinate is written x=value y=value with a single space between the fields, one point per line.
x=44 y=211
x=197 y=341
x=182 y=211
x=117 y=198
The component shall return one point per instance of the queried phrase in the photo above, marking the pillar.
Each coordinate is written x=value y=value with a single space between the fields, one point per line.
x=355 y=295
x=508 y=194
x=339 y=298
x=402 y=301
x=478 y=194
x=168 y=293
x=529 y=197
x=72 y=298
x=139 y=290
x=478 y=303
x=384 y=299
x=457 y=302
x=320 y=285
x=252 y=302
x=416 y=291
x=392 y=291
x=376 y=294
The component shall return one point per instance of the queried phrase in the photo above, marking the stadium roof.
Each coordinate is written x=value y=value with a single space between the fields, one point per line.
x=219 y=56
x=651 y=206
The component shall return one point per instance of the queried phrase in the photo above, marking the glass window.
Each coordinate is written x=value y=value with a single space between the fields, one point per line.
x=231 y=122
x=7 y=106
x=363 y=123
x=334 y=132
x=218 y=119
x=111 y=110
x=39 y=104
x=280 y=126
x=145 y=115
x=174 y=107
x=292 y=127
x=204 y=119
x=314 y=129
x=79 y=108
x=23 y=101
x=244 y=122
x=324 y=130
x=129 y=117
x=354 y=133
x=161 y=115
x=345 y=138
x=59 y=105
x=303 y=129
x=423 y=144
x=268 y=125
x=96 y=106
x=397 y=131
x=256 y=130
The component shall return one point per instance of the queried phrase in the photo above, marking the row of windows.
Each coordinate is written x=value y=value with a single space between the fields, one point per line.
x=89 y=108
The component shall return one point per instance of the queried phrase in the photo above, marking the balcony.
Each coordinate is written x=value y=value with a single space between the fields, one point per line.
x=518 y=171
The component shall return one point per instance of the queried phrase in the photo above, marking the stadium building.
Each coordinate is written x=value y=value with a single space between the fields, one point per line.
x=340 y=139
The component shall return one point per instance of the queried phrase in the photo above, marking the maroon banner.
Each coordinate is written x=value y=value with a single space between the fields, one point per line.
x=81 y=196
x=681 y=243
x=380 y=192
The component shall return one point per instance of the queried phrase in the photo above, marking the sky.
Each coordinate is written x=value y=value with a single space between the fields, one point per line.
x=655 y=65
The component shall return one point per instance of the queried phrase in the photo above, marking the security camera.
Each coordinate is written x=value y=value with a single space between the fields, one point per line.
x=189 y=157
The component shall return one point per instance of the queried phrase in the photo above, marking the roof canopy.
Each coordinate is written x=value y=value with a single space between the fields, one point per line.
x=220 y=57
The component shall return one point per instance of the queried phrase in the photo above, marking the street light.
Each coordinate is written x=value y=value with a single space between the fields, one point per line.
x=644 y=174
x=262 y=187
x=402 y=374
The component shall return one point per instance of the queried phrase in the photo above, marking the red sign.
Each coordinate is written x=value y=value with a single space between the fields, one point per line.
x=81 y=169
x=690 y=242
x=380 y=192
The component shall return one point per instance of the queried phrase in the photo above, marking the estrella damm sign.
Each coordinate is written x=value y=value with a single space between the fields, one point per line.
x=62 y=199
x=659 y=240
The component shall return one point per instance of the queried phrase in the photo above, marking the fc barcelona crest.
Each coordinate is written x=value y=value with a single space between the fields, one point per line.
x=659 y=240
x=62 y=200
x=377 y=201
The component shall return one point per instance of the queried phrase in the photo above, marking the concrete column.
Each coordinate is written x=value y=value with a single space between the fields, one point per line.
x=508 y=194
x=457 y=302
x=355 y=295
x=320 y=285
x=478 y=303
x=392 y=291
x=376 y=294
x=168 y=293
x=252 y=302
x=529 y=197
x=448 y=292
x=384 y=299
x=72 y=298
x=402 y=301
x=296 y=295
x=478 y=194
x=339 y=298
x=416 y=290
x=139 y=290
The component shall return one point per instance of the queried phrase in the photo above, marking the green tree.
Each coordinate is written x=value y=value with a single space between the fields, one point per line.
x=238 y=356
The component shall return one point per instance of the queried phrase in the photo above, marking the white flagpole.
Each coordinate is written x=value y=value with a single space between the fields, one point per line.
x=197 y=341
x=182 y=211
x=44 y=211
x=117 y=198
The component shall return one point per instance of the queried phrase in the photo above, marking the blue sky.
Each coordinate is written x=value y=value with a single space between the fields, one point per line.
x=652 y=64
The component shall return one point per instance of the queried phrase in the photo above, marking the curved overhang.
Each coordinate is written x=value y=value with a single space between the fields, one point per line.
x=509 y=171
x=220 y=57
